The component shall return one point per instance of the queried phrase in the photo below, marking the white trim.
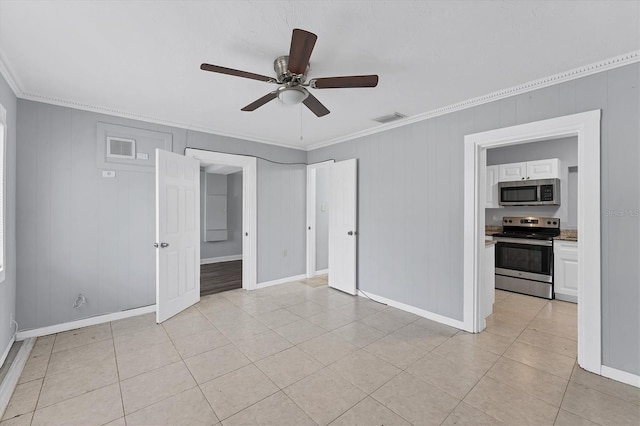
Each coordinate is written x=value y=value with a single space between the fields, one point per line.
x=249 y=207
x=586 y=126
x=573 y=74
x=311 y=215
x=621 y=376
x=412 y=309
x=9 y=76
x=3 y=192
x=86 y=322
x=221 y=259
x=322 y=272
x=282 y=281
x=10 y=381
x=6 y=352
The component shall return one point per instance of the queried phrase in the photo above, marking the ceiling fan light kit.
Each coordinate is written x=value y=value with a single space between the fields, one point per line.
x=291 y=72
x=292 y=95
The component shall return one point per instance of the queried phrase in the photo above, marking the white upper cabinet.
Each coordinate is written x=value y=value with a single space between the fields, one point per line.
x=513 y=171
x=492 y=188
x=541 y=169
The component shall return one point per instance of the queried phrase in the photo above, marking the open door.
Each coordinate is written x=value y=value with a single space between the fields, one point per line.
x=177 y=233
x=343 y=226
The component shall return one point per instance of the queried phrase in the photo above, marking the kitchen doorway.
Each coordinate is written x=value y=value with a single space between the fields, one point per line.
x=586 y=126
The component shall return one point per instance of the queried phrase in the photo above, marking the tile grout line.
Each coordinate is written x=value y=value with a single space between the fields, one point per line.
x=496 y=361
x=55 y=337
x=115 y=356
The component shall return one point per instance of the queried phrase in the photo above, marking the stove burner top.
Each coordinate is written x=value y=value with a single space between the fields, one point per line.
x=527 y=235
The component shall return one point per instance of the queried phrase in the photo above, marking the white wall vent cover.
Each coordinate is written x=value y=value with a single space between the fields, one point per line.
x=121 y=148
x=389 y=118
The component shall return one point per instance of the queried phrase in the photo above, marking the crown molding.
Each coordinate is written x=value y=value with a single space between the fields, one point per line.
x=139 y=117
x=9 y=76
x=573 y=74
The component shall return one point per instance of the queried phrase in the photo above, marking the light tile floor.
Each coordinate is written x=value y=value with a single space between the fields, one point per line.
x=301 y=353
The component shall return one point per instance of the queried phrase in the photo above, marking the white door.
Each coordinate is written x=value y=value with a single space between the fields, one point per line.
x=343 y=226
x=177 y=236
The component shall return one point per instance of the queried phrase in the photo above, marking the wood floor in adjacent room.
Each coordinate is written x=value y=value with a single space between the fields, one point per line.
x=221 y=276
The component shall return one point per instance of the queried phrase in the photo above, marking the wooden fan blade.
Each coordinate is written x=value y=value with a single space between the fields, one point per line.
x=258 y=103
x=345 y=82
x=302 y=43
x=237 y=73
x=315 y=106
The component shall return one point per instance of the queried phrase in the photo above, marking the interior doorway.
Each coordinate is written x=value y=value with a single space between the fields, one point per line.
x=220 y=228
x=586 y=127
x=233 y=269
x=318 y=177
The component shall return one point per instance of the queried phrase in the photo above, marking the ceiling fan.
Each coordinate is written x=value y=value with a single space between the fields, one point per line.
x=291 y=74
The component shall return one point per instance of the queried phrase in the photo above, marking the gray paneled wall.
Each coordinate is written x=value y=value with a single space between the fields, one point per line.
x=282 y=195
x=233 y=244
x=81 y=233
x=8 y=286
x=566 y=149
x=411 y=201
x=322 y=218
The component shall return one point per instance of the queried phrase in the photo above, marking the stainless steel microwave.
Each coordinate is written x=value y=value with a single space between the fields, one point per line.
x=538 y=192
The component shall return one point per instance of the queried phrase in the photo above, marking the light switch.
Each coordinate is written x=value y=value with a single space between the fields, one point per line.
x=108 y=173
x=323 y=207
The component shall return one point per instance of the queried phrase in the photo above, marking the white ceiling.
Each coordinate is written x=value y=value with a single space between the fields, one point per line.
x=142 y=58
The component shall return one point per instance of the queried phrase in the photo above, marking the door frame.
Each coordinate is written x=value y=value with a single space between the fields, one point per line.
x=586 y=127
x=311 y=215
x=249 y=207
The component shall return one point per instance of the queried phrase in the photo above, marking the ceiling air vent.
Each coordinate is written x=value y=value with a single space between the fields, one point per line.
x=389 y=118
x=121 y=148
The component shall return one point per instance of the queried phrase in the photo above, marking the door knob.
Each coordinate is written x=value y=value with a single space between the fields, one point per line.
x=155 y=245
x=350 y=233
x=164 y=245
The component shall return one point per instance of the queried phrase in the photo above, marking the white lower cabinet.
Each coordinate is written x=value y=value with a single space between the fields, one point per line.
x=565 y=270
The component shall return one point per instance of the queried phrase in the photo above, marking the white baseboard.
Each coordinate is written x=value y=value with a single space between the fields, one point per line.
x=620 y=376
x=322 y=272
x=566 y=297
x=6 y=352
x=221 y=259
x=99 y=319
x=282 y=281
x=10 y=381
x=412 y=309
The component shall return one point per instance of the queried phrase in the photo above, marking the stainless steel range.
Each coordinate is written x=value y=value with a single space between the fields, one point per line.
x=524 y=255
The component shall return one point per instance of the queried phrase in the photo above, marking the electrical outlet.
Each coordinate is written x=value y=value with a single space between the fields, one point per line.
x=284 y=253
x=11 y=320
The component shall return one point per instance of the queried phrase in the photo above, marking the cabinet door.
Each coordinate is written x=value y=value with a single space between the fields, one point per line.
x=543 y=169
x=513 y=171
x=492 y=188
x=565 y=270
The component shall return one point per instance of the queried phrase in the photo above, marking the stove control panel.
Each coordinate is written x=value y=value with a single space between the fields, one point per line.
x=532 y=222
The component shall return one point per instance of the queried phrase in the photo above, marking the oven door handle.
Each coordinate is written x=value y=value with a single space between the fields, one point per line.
x=527 y=241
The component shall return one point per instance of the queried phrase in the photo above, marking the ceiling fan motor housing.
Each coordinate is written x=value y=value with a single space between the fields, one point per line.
x=281 y=67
